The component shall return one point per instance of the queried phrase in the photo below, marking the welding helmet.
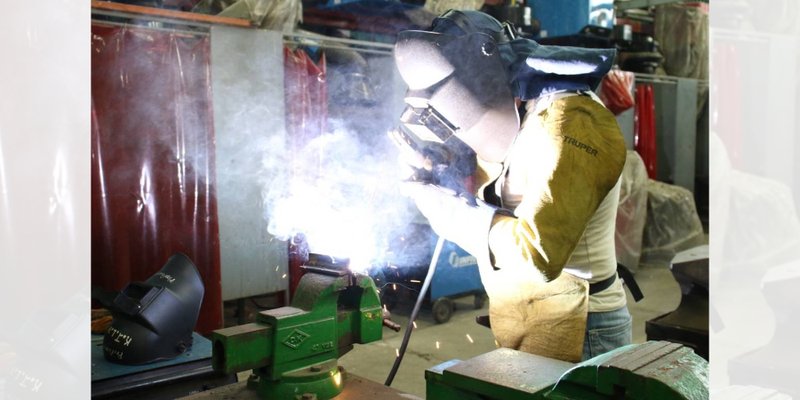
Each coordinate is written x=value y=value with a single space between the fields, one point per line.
x=154 y=319
x=458 y=86
x=464 y=74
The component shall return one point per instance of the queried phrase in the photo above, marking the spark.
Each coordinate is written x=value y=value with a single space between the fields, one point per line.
x=470 y=338
x=415 y=324
x=276 y=268
x=437 y=345
x=284 y=276
x=385 y=309
x=397 y=352
x=415 y=281
x=394 y=287
x=496 y=344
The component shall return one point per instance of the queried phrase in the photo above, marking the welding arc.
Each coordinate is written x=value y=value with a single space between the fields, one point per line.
x=407 y=334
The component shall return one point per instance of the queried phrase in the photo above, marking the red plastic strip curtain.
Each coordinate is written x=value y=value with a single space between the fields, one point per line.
x=306 y=118
x=153 y=174
x=306 y=97
x=729 y=107
x=318 y=97
x=644 y=129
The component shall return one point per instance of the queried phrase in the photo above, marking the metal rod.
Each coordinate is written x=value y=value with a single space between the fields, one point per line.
x=653 y=79
x=313 y=39
x=160 y=13
x=315 y=36
x=287 y=39
x=668 y=79
x=134 y=17
x=624 y=5
x=343 y=47
x=298 y=37
x=206 y=21
x=154 y=28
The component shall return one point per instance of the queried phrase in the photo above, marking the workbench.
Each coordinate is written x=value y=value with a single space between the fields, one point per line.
x=188 y=373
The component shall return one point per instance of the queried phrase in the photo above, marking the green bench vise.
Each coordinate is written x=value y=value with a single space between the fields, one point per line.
x=652 y=370
x=293 y=350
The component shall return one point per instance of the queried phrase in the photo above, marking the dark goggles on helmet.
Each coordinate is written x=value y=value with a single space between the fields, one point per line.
x=440 y=128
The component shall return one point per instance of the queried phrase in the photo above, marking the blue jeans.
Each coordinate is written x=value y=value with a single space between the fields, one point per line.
x=605 y=331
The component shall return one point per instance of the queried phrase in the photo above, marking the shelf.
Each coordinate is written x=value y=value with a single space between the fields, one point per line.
x=621 y=5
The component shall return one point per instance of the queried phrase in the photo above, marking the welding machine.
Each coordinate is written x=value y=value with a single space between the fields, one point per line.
x=400 y=278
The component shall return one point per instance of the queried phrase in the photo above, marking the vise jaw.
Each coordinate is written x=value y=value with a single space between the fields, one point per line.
x=293 y=350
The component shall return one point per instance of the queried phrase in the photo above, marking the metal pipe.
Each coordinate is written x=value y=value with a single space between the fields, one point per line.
x=341 y=47
x=315 y=36
x=188 y=18
x=667 y=79
x=151 y=27
x=629 y=4
x=202 y=28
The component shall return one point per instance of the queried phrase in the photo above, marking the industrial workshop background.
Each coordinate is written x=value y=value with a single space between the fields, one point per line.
x=206 y=112
x=157 y=137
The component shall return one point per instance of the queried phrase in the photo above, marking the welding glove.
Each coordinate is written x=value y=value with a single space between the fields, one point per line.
x=460 y=219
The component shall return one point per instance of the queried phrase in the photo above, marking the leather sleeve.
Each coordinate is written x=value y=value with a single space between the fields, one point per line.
x=573 y=153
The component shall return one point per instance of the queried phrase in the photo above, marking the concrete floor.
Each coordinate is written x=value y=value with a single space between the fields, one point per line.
x=461 y=338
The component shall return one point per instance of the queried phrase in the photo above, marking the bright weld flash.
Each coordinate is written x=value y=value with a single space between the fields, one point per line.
x=330 y=228
x=337 y=378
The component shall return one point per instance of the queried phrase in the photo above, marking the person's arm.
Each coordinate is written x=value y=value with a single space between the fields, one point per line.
x=574 y=162
x=543 y=238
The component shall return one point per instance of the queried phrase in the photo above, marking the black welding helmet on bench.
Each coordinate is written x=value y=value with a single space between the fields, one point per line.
x=154 y=319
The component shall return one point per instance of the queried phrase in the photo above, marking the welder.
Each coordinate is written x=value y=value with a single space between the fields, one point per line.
x=540 y=217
